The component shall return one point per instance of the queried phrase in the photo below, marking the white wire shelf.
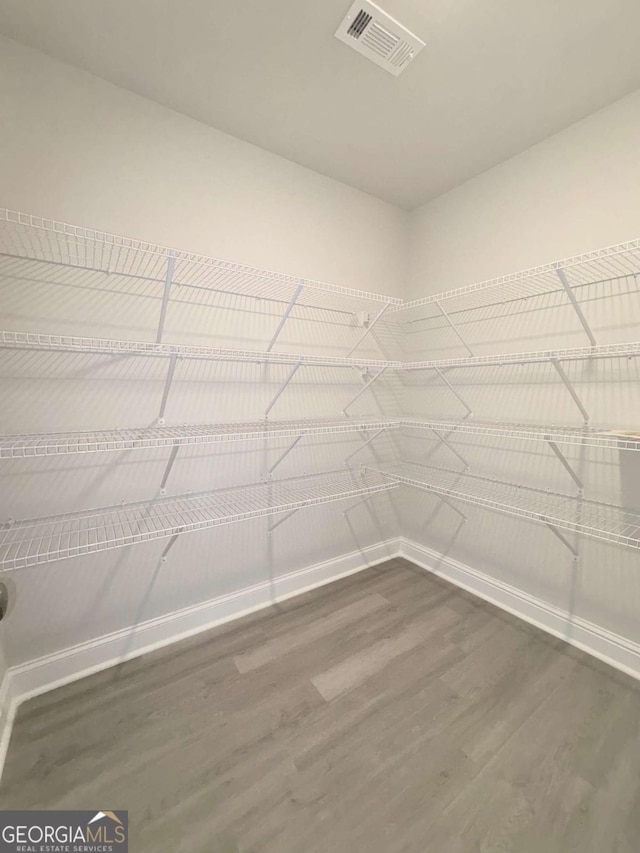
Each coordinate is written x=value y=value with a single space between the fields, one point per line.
x=73 y=343
x=603 y=265
x=27 y=237
x=626 y=350
x=63 y=443
x=35 y=541
x=581 y=436
x=35 y=445
x=597 y=520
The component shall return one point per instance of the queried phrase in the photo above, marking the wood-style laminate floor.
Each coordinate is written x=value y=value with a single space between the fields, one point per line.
x=386 y=712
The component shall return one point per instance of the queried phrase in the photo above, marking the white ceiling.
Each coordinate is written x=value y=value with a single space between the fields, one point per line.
x=495 y=77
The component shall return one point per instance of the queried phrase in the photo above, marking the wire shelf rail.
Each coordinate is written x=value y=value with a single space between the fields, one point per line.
x=581 y=436
x=63 y=443
x=605 y=522
x=626 y=350
x=34 y=445
x=24 y=236
x=74 y=343
x=608 y=264
x=35 y=541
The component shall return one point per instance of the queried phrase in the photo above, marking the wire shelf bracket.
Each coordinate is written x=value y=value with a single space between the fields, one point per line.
x=559 y=535
x=169 y=546
x=454 y=391
x=565 y=463
x=369 y=329
x=576 y=307
x=448 y=444
x=285 y=316
x=282 y=520
x=454 y=327
x=364 y=388
x=572 y=391
x=285 y=453
x=364 y=444
x=167 y=387
x=282 y=388
x=171 y=265
x=169 y=466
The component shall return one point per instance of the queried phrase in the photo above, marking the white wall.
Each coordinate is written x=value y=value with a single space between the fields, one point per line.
x=574 y=192
x=76 y=148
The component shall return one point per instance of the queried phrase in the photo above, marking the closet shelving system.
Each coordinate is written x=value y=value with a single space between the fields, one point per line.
x=76 y=257
x=56 y=253
x=570 y=282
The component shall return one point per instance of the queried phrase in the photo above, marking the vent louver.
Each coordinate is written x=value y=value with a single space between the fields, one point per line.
x=379 y=37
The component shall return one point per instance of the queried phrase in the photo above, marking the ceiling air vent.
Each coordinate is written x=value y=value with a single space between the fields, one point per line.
x=379 y=37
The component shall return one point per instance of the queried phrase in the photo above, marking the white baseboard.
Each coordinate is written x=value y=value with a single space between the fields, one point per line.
x=611 y=648
x=50 y=671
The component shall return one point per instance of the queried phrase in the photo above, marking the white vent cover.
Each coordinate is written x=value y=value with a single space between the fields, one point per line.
x=379 y=37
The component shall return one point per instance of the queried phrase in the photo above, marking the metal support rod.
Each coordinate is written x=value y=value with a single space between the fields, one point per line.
x=363 y=389
x=284 y=518
x=282 y=387
x=284 y=454
x=561 y=537
x=452 y=389
x=167 y=387
x=285 y=316
x=570 y=389
x=454 y=327
x=167 y=470
x=564 y=462
x=572 y=298
x=451 y=447
x=165 y=296
x=445 y=500
x=368 y=329
x=364 y=444
x=169 y=546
